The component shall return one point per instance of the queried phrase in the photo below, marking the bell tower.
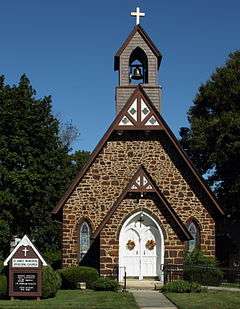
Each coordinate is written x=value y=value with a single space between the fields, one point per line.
x=137 y=62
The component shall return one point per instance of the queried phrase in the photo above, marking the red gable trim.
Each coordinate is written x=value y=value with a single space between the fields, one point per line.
x=114 y=126
x=145 y=37
x=178 y=225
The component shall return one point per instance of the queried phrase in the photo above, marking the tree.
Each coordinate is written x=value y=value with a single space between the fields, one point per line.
x=35 y=167
x=79 y=158
x=213 y=140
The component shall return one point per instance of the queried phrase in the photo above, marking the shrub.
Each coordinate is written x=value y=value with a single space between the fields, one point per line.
x=74 y=274
x=51 y=282
x=181 y=286
x=3 y=286
x=105 y=284
x=202 y=269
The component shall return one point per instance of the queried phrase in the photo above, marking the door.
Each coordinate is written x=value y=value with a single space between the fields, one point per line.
x=140 y=249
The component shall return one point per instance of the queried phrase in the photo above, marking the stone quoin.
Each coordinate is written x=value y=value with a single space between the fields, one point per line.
x=138 y=202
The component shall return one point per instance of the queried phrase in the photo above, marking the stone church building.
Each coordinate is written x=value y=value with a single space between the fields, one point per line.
x=138 y=203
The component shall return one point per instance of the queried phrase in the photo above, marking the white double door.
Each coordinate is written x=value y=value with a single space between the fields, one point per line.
x=137 y=256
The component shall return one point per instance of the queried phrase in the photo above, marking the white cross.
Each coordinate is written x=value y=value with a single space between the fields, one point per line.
x=138 y=14
x=25 y=250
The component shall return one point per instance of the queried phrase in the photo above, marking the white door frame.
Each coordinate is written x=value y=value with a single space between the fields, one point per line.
x=121 y=272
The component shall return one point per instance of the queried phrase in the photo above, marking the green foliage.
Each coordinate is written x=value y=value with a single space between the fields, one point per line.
x=181 y=286
x=1 y=266
x=5 y=237
x=53 y=258
x=79 y=158
x=213 y=140
x=74 y=274
x=51 y=282
x=202 y=269
x=35 y=166
x=3 y=286
x=105 y=284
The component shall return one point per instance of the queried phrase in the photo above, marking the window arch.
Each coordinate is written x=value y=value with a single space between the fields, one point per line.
x=138 y=60
x=84 y=239
x=195 y=232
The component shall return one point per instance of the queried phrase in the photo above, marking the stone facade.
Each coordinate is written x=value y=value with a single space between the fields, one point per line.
x=104 y=182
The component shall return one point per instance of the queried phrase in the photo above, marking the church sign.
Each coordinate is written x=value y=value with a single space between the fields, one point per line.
x=25 y=270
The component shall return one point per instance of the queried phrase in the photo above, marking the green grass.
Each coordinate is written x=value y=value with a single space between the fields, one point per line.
x=75 y=299
x=209 y=300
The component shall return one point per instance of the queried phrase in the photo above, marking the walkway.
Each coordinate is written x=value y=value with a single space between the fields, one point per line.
x=147 y=299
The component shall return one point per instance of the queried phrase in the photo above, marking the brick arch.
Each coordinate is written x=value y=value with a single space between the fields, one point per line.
x=150 y=213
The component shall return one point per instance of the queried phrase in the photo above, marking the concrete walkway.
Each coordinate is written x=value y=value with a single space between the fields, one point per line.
x=147 y=299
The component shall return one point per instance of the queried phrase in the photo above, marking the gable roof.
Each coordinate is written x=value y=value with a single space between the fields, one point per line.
x=139 y=92
x=25 y=241
x=143 y=183
x=145 y=37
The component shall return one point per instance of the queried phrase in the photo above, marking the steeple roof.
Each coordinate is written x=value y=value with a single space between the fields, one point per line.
x=145 y=37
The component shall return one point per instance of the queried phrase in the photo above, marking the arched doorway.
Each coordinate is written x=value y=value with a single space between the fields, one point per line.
x=141 y=247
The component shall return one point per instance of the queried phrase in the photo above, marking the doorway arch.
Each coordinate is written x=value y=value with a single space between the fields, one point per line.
x=141 y=247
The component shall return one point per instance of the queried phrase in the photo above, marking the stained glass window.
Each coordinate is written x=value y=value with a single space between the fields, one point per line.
x=84 y=239
x=192 y=244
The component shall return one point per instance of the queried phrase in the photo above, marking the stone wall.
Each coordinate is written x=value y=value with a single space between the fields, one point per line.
x=106 y=179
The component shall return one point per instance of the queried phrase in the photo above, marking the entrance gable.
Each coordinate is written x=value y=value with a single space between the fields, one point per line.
x=142 y=183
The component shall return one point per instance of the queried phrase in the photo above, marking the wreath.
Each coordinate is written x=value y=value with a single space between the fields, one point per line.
x=130 y=244
x=150 y=244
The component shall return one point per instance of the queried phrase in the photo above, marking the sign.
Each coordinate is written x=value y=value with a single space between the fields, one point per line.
x=24 y=262
x=25 y=270
x=25 y=282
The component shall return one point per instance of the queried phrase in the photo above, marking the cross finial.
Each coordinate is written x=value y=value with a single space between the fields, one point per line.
x=138 y=14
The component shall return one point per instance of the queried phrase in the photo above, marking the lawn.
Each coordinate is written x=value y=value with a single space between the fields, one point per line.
x=69 y=299
x=209 y=300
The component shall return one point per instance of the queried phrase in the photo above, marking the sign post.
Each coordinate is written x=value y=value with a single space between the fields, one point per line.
x=25 y=270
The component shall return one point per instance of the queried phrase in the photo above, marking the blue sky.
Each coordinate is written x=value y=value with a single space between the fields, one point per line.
x=66 y=48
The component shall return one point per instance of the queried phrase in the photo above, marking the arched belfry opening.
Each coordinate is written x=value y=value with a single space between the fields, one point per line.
x=138 y=67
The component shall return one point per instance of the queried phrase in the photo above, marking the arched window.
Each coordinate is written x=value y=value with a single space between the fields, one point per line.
x=138 y=67
x=194 y=231
x=84 y=239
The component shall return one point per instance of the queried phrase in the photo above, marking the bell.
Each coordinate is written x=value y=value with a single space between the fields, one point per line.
x=137 y=74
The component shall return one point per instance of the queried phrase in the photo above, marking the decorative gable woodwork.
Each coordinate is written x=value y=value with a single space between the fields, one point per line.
x=141 y=182
x=138 y=114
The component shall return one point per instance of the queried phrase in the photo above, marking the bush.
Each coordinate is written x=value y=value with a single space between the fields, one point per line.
x=74 y=274
x=3 y=286
x=202 y=269
x=105 y=284
x=181 y=286
x=51 y=282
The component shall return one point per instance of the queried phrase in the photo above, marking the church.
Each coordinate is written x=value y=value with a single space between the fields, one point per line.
x=138 y=203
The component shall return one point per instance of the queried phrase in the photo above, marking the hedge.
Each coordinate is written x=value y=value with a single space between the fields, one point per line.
x=74 y=274
x=182 y=286
x=105 y=284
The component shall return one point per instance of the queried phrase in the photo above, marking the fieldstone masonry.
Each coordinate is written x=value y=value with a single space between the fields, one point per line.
x=104 y=182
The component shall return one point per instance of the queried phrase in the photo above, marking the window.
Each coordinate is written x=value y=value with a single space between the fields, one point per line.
x=194 y=231
x=84 y=239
